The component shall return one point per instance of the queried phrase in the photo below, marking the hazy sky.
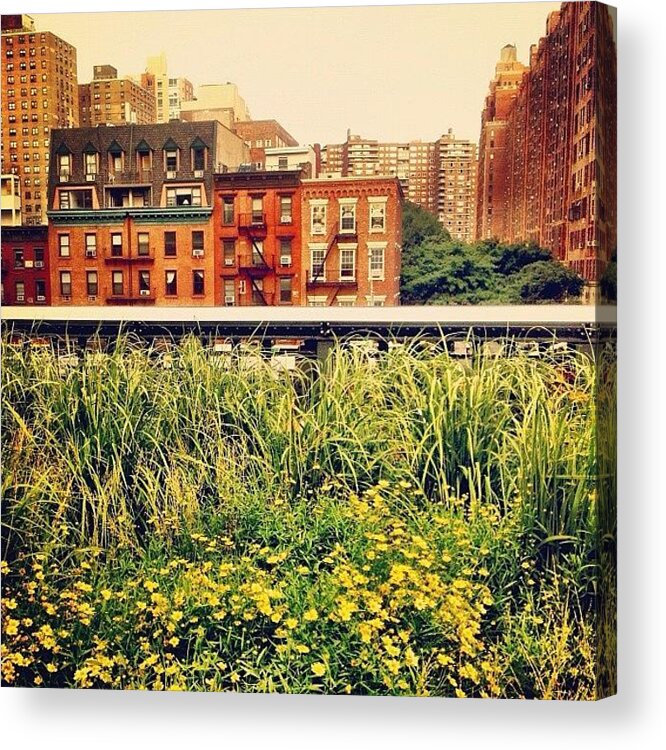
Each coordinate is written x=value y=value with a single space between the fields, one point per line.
x=386 y=72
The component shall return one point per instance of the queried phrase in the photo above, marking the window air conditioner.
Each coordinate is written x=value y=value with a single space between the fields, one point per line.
x=66 y=298
x=28 y=264
x=285 y=260
x=229 y=261
x=229 y=300
x=198 y=173
x=39 y=264
x=20 y=298
x=144 y=292
x=91 y=177
x=92 y=297
x=197 y=253
x=285 y=219
x=41 y=298
x=171 y=175
x=91 y=253
x=64 y=177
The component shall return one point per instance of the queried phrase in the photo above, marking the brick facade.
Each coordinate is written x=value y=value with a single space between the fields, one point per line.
x=25 y=266
x=351 y=237
x=257 y=220
x=260 y=135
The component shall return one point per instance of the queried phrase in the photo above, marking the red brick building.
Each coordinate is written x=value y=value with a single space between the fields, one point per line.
x=555 y=183
x=257 y=220
x=351 y=237
x=25 y=266
x=130 y=213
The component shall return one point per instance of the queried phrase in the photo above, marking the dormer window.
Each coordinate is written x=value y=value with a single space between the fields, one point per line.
x=171 y=158
x=90 y=162
x=115 y=159
x=143 y=157
x=64 y=164
x=198 y=155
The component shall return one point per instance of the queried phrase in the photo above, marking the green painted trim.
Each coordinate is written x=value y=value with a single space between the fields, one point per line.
x=187 y=215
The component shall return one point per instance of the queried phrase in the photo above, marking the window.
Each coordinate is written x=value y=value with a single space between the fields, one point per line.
x=228 y=211
x=229 y=293
x=318 y=270
x=40 y=290
x=241 y=286
x=171 y=158
x=90 y=164
x=65 y=165
x=318 y=219
x=91 y=283
x=229 y=252
x=19 y=261
x=197 y=243
x=257 y=253
x=115 y=163
x=188 y=196
x=169 y=244
x=144 y=283
x=63 y=245
x=347 y=264
x=171 y=283
x=257 y=210
x=39 y=257
x=197 y=283
x=283 y=162
x=348 y=218
x=258 y=292
x=65 y=283
x=377 y=217
x=117 y=284
x=285 y=251
x=143 y=244
x=198 y=159
x=91 y=245
x=376 y=253
x=285 y=209
x=285 y=290
x=20 y=291
x=116 y=245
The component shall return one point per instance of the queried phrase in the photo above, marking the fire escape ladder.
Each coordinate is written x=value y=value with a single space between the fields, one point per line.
x=256 y=249
x=259 y=291
x=330 y=241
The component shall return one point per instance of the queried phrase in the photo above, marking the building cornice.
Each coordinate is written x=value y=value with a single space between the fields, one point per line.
x=184 y=215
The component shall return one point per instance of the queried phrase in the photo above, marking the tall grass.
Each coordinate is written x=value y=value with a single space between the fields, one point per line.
x=143 y=447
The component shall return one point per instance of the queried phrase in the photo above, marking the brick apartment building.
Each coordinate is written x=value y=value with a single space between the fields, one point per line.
x=558 y=176
x=130 y=212
x=351 y=237
x=109 y=100
x=39 y=93
x=257 y=219
x=25 y=265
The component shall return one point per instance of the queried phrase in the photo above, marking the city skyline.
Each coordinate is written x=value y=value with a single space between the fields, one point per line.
x=318 y=99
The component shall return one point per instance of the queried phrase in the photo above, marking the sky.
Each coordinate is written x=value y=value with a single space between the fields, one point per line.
x=394 y=73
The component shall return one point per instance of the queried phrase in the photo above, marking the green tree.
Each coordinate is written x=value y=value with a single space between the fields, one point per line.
x=419 y=225
x=546 y=281
x=608 y=281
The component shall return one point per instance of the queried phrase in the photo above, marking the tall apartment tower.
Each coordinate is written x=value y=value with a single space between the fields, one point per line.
x=109 y=100
x=40 y=93
x=493 y=166
x=558 y=177
x=456 y=206
x=156 y=80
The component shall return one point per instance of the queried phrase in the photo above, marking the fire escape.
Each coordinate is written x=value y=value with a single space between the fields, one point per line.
x=254 y=264
x=317 y=275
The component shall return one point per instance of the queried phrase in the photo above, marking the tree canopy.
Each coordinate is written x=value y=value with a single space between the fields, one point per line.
x=439 y=270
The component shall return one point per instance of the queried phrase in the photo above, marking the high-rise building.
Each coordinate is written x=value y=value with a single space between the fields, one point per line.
x=156 y=80
x=180 y=90
x=492 y=143
x=557 y=183
x=109 y=100
x=39 y=93
x=216 y=101
x=456 y=205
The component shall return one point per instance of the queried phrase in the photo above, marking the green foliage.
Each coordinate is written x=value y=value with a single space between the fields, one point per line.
x=405 y=523
x=438 y=270
x=608 y=281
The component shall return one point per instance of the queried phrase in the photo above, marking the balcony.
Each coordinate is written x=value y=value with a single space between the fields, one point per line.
x=253 y=221
x=253 y=264
x=111 y=256
x=317 y=278
x=141 y=177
